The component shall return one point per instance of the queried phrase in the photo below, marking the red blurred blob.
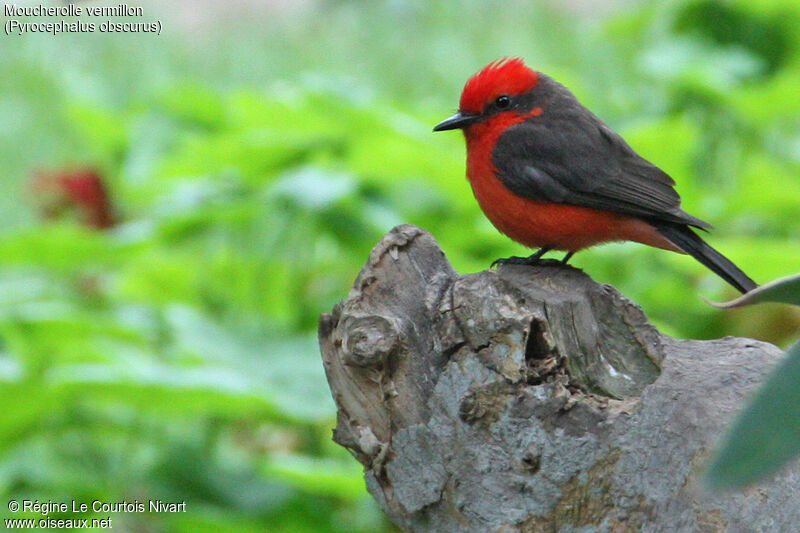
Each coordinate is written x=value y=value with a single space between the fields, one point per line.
x=79 y=189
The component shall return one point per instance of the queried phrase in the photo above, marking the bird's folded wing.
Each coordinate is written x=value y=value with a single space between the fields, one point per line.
x=578 y=160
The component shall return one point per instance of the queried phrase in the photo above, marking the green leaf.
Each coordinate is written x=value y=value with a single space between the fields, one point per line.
x=316 y=475
x=785 y=290
x=767 y=434
x=62 y=248
x=313 y=188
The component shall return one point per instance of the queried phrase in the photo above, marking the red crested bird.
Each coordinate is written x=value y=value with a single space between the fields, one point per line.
x=551 y=175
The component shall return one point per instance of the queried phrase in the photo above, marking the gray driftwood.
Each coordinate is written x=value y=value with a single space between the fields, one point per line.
x=534 y=399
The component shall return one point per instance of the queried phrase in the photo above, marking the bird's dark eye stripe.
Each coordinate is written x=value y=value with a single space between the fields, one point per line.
x=502 y=101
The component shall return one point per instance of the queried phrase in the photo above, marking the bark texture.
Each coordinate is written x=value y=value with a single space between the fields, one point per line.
x=534 y=399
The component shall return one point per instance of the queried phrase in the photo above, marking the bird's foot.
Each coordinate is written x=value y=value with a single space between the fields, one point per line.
x=514 y=260
x=533 y=259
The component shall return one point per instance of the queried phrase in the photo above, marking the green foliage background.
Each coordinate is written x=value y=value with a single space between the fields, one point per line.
x=256 y=160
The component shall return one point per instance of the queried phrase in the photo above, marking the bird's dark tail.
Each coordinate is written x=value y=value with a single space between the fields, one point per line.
x=691 y=243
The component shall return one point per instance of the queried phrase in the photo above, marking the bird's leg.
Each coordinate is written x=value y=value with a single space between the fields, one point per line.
x=567 y=257
x=533 y=259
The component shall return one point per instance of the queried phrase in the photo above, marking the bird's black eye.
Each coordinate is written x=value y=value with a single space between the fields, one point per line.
x=502 y=101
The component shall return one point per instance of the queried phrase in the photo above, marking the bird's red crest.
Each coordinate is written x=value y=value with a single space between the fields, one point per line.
x=504 y=76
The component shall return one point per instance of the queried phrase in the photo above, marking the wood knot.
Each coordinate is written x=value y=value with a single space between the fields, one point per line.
x=368 y=341
x=532 y=458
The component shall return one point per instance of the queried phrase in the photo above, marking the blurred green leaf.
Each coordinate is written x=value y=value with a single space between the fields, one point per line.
x=785 y=290
x=314 y=188
x=64 y=248
x=319 y=476
x=766 y=435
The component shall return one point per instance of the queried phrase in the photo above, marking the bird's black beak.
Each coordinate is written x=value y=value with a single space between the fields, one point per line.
x=457 y=121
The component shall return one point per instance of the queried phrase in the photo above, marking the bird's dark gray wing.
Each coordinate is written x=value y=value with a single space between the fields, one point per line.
x=568 y=155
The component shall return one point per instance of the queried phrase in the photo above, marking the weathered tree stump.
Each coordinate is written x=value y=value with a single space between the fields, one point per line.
x=534 y=399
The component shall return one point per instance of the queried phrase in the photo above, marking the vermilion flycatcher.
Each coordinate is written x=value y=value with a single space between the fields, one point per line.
x=551 y=175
